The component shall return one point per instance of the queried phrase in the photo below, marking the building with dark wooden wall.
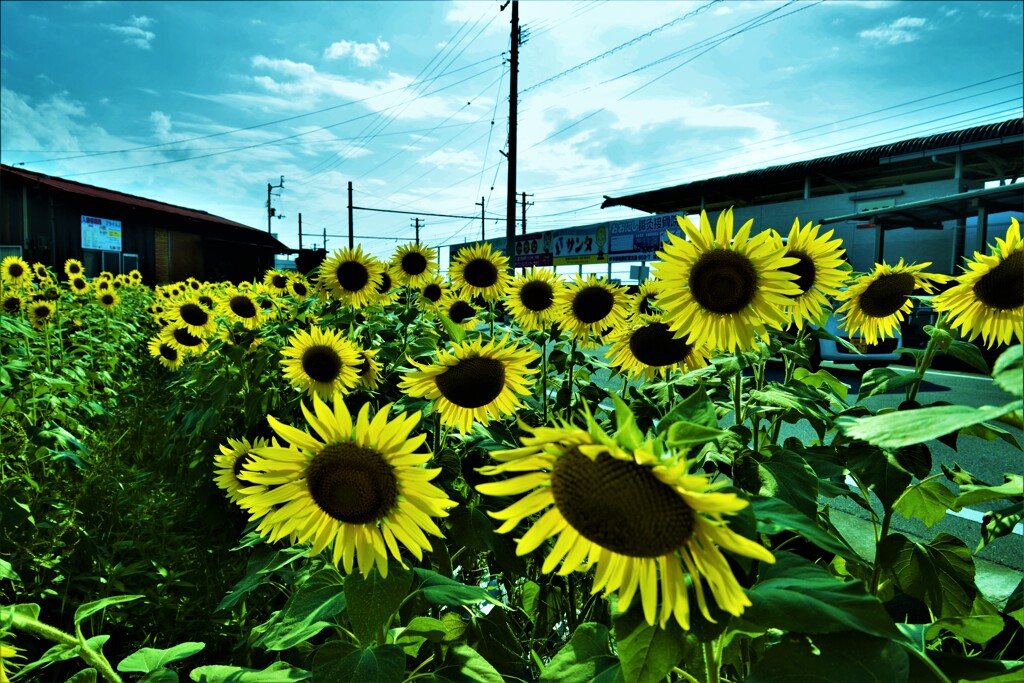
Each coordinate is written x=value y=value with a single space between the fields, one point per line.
x=42 y=217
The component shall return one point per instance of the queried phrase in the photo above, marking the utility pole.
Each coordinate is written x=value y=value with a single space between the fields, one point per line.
x=300 y=232
x=513 y=100
x=483 y=221
x=325 y=239
x=271 y=212
x=524 y=196
x=350 y=238
x=417 y=226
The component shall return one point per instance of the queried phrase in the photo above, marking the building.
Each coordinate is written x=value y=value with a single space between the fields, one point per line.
x=932 y=198
x=49 y=219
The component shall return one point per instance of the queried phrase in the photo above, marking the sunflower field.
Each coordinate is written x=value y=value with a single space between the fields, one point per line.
x=376 y=473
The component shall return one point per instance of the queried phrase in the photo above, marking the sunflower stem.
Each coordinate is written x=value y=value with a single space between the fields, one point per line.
x=572 y=378
x=737 y=392
x=710 y=662
x=690 y=678
x=924 y=362
x=876 y=571
x=544 y=375
x=90 y=656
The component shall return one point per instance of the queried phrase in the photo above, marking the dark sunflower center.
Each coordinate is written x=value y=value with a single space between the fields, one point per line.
x=74 y=269
x=620 y=505
x=647 y=306
x=385 y=284
x=473 y=383
x=169 y=352
x=78 y=283
x=239 y=465
x=12 y=304
x=655 y=345
x=480 y=273
x=352 y=484
x=299 y=289
x=41 y=312
x=15 y=270
x=206 y=301
x=803 y=269
x=352 y=276
x=1002 y=287
x=103 y=285
x=592 y=304
x=186 y=338
x=723 y=281
x=414 y=263
x=107 y=299
x=242 y=306
x=193 y=314
x=321 y=363
x=363 y=368
x=460 y=312
x=279 y=281
x=432 y=292
x=537 y=295
x=886 y=295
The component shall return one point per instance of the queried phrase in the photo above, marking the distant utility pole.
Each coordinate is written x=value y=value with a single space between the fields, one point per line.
x=351 y=241
x=513 y=100
x=300 y=231
x=483 y=221
x=271 y=212
x=417 y=225
x=524 y=205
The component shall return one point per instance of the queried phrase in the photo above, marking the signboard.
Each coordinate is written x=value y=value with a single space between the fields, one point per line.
x=533 y=250
x=639 y=239
x=575 y=246
x=101 y=233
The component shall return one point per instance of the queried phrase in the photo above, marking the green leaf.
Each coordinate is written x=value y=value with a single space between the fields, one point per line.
x=998 y=523
x=372 y=601
x=820 y=378
x=682 y=433
x=787 y=476
x=471 y=527
x=883 y=380
x=150 y=659
x=26 y=610
x=984 y=431
x=419 y=631
x=907 y=427
x=974 y=494
x=278 y=672
x=647 y=653
x=382 y=664
x=586 y=658
x=463 y=664
x=454 y=332
x=794 y=398
x=7 y=571
x=968 y=353
x=83 y=676
x=774 y=516
x=318 y=599
x=1008 y=371
x=160 y=675
x=65 y=651
x=838 y=658
x=928 y=501
x=980 y=626
x=442 y=591
x=879 y=470
x=941 y=573
x=797 y=595
x=696 y=409
x=89 y=608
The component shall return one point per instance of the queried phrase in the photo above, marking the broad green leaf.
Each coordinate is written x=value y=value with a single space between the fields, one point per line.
x=90 y=608
x=150 y=659
x=972 y=494
x=463 y=664
x=998 y=523
x=968 y=353
x=682 y=433
x=473 y=528
x=83 y=676
x=586 y=658
x=696 y=409
x=372 y=601
x=1015 y=603
x=442 y=591
x=883 y=380
x=419 y=630
x=1008 y=371
x=941 y=573
x=980 y=626
x=64 y=651
x=307 y=612
x=787 y=476
x=774 y=516
x=454 y=332
x=961 y=669
x=928 y=501
x=822 y=378
x=496 y=637
x=26 y=610
x=983 y=431
x=647 y=653
x=278 y=672
x=903 y=428
x=879 y=470
x=160 y=675
x=265 y=561
x=837 y=658
x=383 y=664
x=7 y=571
x=531 y=596
x=797 y=595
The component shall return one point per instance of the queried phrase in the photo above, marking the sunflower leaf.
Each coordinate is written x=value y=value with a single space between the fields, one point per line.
x=586 y=658
x=372 y=600
x=973 y=494
x=89 y=608
x=150 y=659
x=904 y=428
x=941 y=572
x=647 y=652
x=463 y=664
x=928 y=501
x=383 y=664
x=968 y=353
x=884 y=380
x=444 y=592
x=319 y=598
x=998 y=523
x=841 y=657
x=1008 y=372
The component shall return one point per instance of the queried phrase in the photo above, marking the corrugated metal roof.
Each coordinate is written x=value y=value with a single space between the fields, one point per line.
x=81 y=189
x=995 y=133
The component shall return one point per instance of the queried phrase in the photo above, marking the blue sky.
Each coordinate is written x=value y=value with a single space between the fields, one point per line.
x=398 y=97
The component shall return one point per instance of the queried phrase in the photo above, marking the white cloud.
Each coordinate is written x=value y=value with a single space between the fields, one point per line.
x=161 y=124
x=365 y=54
x=150 y=91
x=903 y=30
x=134 y=31
x=950 y=12
x=7 y=53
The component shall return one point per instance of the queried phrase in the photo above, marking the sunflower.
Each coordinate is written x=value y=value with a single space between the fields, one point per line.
x=108 y=300
x=298 y=287
x=277 y=280
x=73 y=267
x=386 y=292
x=649 y=348
x=11 y=302
x=876 y=303
x=369 y=370
x=228 y=464
x=135 y=276
x=473 y=382
x=531 y=298
x=176 y=335
x=240 y=306
x=40 y=313
x=459 y=311
x=169 y=356
x=628 y=506
x=108 y=276
x=643 y=305
x=819 y=271
x=434 y=290
x=590 y=307
x=479 y=271
x=121 y=281
x=363 y=487
x=352 y=276
x=78 y=284
x=414 y=264
x=15 y=271
x=988 y=298
x=321 y=362
x=196 y=318
x=724 y=291
x=41 y=271
x=102 y=285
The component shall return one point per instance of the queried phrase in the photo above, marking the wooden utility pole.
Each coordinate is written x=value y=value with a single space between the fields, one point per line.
x=417 y=225
x=513 y=100
x=300 y=231
x=483 y=223
x=524 y=195
x=270 y=209
x=351 y=242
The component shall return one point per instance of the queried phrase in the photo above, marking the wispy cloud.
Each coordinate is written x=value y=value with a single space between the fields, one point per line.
x=903 y=30
x=365 y=54
x=1014 y=16
x=134 y=31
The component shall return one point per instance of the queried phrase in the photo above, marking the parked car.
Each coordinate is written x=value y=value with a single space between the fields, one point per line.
x=869 y=356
